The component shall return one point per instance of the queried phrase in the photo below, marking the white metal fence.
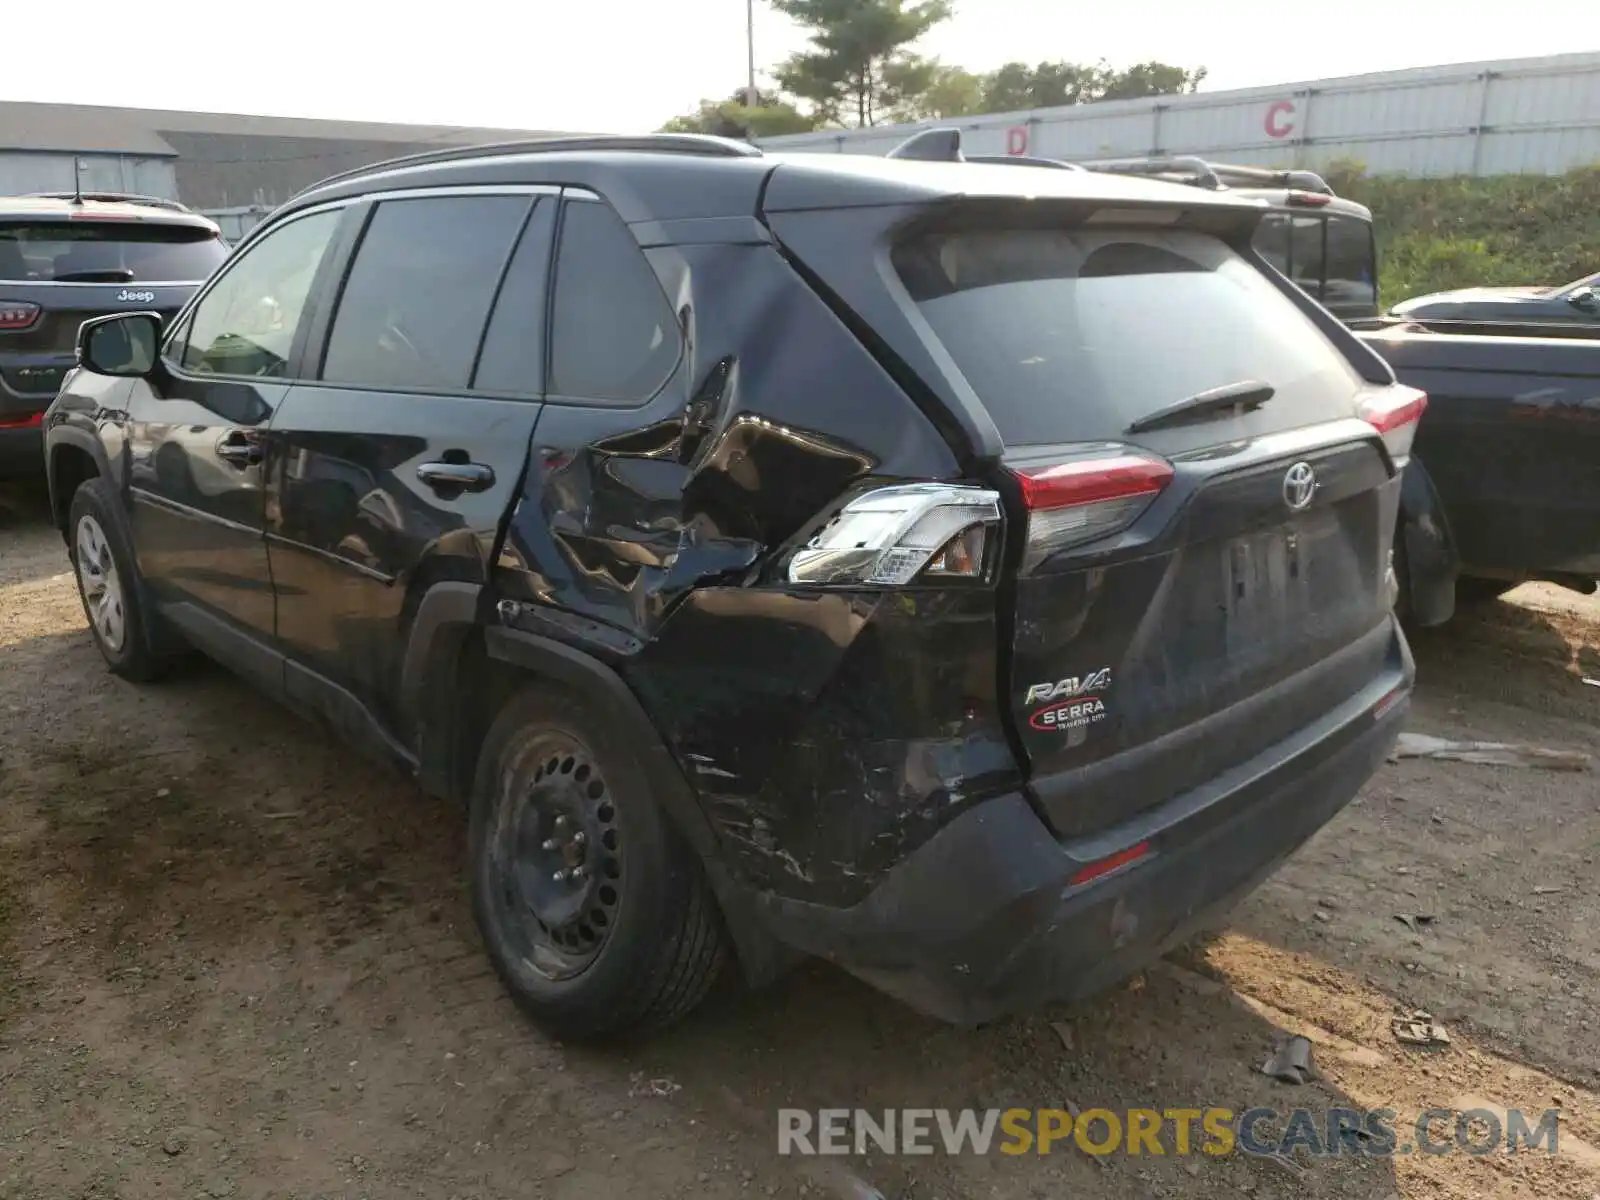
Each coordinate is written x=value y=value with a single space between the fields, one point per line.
x=1539 y=115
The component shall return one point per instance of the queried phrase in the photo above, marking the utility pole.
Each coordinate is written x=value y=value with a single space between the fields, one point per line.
x=750 y=50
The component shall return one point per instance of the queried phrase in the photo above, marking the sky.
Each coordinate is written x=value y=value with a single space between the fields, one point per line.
x=629 y=65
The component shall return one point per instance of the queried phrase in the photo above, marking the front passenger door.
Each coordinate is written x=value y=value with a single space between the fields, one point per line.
x=195 y=432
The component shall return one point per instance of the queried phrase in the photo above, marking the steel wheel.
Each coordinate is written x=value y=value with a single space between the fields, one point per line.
x=102 y=587
x=556 y=857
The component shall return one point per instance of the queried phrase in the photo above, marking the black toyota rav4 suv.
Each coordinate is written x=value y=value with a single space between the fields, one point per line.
x=978 y=578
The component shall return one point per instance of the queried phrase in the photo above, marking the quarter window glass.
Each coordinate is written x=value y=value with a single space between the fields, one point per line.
x=245 y=325
x=414 y=306
x=614 y=335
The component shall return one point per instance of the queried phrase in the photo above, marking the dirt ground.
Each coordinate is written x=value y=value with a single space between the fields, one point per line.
x=237 y=961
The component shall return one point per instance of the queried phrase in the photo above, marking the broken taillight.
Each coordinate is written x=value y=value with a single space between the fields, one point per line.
x=1083 y=499
x=889 y=536
x=1394 y=413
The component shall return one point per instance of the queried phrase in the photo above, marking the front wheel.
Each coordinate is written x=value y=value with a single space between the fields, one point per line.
x=595 y=912
x=108 y=583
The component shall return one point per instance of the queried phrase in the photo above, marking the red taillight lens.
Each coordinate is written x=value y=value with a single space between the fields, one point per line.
x=27 y=422
x=1085 y=498
x=1394 y=413
x=1308 y=199
x=17 y=314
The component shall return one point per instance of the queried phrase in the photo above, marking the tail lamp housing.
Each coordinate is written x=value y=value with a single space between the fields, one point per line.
x=1083 y=499
x=17 y=315
x=892 y=536
x=1395 y=412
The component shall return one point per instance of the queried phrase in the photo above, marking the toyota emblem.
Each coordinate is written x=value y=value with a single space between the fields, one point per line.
x=1299 y=485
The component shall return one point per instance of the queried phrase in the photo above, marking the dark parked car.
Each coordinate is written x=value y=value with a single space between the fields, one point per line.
x=1317 y=238
x=65 y=258
x=780 y=555
x=1504 y=483
x=1569 y=311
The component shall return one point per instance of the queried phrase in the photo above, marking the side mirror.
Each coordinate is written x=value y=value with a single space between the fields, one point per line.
x=1584 y=300
x=124 y=345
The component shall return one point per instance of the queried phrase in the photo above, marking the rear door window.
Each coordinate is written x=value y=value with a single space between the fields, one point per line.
x=614 y=338
x=1349 y=264
x=414 y=306
x=1272 y=240
x=1071 y=334
x=513 y=347
x=1306 y=253
x=88 y=251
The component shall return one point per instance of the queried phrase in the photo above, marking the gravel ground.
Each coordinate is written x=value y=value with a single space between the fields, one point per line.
x=237 y=961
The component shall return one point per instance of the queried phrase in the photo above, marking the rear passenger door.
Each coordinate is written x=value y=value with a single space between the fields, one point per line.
x=390 y=468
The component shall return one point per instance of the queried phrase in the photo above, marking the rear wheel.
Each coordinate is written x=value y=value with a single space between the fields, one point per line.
x=595 y=912
x=108 y=584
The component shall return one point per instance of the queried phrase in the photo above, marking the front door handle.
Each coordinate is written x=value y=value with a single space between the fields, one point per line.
x=239 y=447
x=457 y=477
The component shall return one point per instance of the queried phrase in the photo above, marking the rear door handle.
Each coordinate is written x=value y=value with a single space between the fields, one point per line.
x=239 y=447
x=449 y=476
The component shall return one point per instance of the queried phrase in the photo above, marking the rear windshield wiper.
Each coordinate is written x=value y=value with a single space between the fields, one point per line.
x=109 y=275
x=1231 y=398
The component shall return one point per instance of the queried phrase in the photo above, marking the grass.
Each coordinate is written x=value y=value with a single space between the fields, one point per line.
x=1436 y=234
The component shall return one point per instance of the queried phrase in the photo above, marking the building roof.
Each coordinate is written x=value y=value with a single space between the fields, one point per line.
x=100 y=129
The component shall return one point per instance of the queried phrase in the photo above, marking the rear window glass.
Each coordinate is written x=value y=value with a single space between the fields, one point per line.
x=107 y=252
x=1073 y=334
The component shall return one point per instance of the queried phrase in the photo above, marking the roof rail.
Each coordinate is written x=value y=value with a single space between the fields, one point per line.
x=1191 y=169
x=114 y=198
x=650 y=143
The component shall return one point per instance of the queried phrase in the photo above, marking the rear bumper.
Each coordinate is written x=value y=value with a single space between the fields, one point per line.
x=984 y=919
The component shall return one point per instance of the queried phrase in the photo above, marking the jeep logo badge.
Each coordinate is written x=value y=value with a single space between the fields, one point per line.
x=128 y=296
x=1299 y=485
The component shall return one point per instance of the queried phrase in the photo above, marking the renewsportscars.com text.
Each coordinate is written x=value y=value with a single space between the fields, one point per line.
x=1147 y=1131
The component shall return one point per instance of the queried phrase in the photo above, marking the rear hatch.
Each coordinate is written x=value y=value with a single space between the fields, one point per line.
x=57 y=272
x=1185 y=590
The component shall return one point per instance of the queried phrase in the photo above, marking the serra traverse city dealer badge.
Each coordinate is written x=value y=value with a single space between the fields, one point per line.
x=1069 y=703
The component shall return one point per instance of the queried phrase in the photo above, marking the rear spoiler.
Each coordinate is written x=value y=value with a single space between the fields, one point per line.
x=943 y=144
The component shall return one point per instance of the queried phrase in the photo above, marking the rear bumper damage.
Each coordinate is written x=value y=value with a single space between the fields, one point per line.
x=985 y=918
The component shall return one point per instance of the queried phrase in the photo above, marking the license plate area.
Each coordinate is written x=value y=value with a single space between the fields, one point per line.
x=1267 y=581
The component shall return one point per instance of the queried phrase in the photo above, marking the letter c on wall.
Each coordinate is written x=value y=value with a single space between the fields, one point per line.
x=1279 y=122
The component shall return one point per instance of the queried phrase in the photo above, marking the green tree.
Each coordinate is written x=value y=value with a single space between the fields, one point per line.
x=860 y=69
x=734 y=118
x=950 y=92
x=1016 y=85
x=1151 y=79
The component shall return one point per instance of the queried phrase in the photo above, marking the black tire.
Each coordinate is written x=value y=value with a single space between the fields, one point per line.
x=136 y=654
x=656 y=943
x=1472 y=590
